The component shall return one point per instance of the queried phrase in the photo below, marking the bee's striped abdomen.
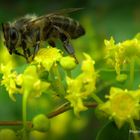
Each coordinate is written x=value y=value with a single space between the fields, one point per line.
x=72 y=27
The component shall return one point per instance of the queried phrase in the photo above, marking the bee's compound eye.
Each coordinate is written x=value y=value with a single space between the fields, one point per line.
x=13 y=35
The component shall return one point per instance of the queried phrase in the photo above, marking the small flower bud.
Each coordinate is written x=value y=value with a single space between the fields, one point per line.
x=68 y=62
x=41 y=123
x=7 y=134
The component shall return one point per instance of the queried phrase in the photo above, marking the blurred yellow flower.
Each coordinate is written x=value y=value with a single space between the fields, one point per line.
x=119 y=54
x=113 y=55
x=21 y=83
x=9 y=80
x=122 y=105
x=31 y=82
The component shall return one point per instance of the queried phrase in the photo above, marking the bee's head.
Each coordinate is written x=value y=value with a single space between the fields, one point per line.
x=10 y=36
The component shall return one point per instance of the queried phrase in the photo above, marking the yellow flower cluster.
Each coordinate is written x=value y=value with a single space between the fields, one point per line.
x=82 y=86
x=122 y=105
x=21 y=83
x=119 y=54
x=29 y=80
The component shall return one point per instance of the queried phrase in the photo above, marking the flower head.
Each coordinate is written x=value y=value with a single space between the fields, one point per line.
x=46 y=57
x=122 y=105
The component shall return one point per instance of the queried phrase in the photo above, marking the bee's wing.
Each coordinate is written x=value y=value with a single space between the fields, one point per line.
x=29 y=20
x=64 y=11
x=58 y=12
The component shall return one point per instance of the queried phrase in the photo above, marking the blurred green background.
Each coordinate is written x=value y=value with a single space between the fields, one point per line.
x=101 y=19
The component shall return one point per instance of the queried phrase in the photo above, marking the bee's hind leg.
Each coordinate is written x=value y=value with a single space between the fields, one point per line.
x=68 y=47
x=64 y=38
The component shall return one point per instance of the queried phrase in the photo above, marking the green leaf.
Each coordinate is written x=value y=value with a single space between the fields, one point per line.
x=110 y=132
x=20 y=69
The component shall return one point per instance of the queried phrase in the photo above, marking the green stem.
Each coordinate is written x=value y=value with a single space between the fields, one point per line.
x=59 y=110
x=136 y=136
x=24 y=114
x=96 y=98
x=132 y=68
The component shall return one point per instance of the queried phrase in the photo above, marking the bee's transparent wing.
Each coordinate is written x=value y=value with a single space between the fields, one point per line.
x=58 y=12
x=64 y=11
x=31 y=19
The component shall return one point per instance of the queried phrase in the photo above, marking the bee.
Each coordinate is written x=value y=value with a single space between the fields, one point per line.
x=24 y=36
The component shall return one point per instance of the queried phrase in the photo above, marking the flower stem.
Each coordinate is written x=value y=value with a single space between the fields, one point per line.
x=132 y=66
x=136 y=137
x=96 y=98
x=59 y=110
x=24 y=114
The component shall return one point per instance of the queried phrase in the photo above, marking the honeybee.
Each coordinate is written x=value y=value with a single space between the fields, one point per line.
x=23 y=36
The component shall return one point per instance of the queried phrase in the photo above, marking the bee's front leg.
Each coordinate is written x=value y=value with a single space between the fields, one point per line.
x=25 y=51
x=51 y=43
x=68 y=47
x=36 y=48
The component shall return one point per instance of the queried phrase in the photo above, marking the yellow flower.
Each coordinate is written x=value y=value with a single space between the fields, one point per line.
x=82 y=86
x=130 y=49
x=46 y=57
x=8 y=80
x=122 y=105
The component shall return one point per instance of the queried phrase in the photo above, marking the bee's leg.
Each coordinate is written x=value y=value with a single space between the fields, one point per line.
x=23 y=44
x=68 y=47
x=28 y=52
x=51 y=43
